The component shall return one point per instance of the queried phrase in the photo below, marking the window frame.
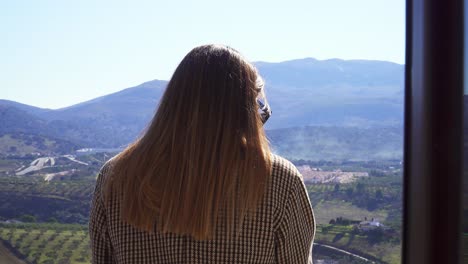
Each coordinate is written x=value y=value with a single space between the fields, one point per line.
x=433 y=148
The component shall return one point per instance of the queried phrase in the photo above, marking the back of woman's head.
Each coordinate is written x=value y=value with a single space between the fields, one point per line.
x=203 y=155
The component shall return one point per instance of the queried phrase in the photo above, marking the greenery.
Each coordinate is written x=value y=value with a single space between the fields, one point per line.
x=368 y=197
x=31 y=199
x=48 y=243
x=69 y=243
x=339 y=208
x=377 y=245
x=47 y=207
x=24 y=143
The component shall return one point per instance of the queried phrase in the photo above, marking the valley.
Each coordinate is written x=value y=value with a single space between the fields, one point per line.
x=338 y=121
x=33 y=202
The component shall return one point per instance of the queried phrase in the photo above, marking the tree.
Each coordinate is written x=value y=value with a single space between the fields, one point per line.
x=28 y=218
x=376 y=173
x=52 y=220
x=375 y=235
x=337 y=188
x=371 y=204
x=360 y=187
x=325 y=229
x=378 y=194
x=12 y=149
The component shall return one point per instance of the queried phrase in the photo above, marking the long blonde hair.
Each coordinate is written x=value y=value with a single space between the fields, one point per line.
x=205 y=150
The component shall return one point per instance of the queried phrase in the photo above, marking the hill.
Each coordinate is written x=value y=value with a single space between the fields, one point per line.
x=23 y=133
x=21 y=144
x=306 y=92
x=311 y=92
x=16 y=120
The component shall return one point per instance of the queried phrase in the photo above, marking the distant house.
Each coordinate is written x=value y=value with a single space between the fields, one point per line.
x=369 y=225
x=317 y=175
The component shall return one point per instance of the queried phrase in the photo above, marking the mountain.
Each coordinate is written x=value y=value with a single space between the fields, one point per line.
x=23 y=107
x=123 y=115
x=17 y=120
x=334 y=92
x=306 y=92
x=126 y=105
x=23 y=133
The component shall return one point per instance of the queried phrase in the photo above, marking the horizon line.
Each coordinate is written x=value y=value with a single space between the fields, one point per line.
x=162 y=80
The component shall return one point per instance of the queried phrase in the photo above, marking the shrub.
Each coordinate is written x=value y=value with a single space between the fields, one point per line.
x=28 y=218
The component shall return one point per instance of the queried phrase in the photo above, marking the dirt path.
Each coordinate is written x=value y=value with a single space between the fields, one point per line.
x=37 y=164
x=344 y=252
x=7 y=257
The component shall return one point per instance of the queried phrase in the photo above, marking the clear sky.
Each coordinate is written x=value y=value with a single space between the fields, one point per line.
x=58 y=53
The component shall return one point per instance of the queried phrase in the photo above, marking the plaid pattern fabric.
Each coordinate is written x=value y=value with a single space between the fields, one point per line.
x=282 y=231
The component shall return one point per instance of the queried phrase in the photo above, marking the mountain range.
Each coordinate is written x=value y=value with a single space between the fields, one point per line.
x=357 y=95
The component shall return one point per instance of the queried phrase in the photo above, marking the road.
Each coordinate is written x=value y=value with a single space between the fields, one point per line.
x=344 y=252
x=7 y=257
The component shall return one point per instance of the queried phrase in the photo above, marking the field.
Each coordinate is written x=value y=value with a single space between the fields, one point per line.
x=376 y=246
x=53 y=215
x=6 y=256
x=373 y=197
x=378 y=198
x=48 y=243
x=65 y=201
x=64 y=243
x=327 y=210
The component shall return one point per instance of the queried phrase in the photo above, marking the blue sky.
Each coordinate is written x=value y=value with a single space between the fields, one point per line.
x=58 y=53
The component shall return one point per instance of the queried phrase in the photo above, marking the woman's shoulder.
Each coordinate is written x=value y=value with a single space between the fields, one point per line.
x=105 y=171
x=287 y=185
x=284 y=172
x=106 y=168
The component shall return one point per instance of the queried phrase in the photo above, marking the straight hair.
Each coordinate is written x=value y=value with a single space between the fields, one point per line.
x=204 y=153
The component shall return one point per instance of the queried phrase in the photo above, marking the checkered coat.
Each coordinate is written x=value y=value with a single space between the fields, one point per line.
x=282 y=232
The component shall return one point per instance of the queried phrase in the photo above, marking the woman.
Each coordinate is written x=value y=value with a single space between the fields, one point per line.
x=201 y=185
